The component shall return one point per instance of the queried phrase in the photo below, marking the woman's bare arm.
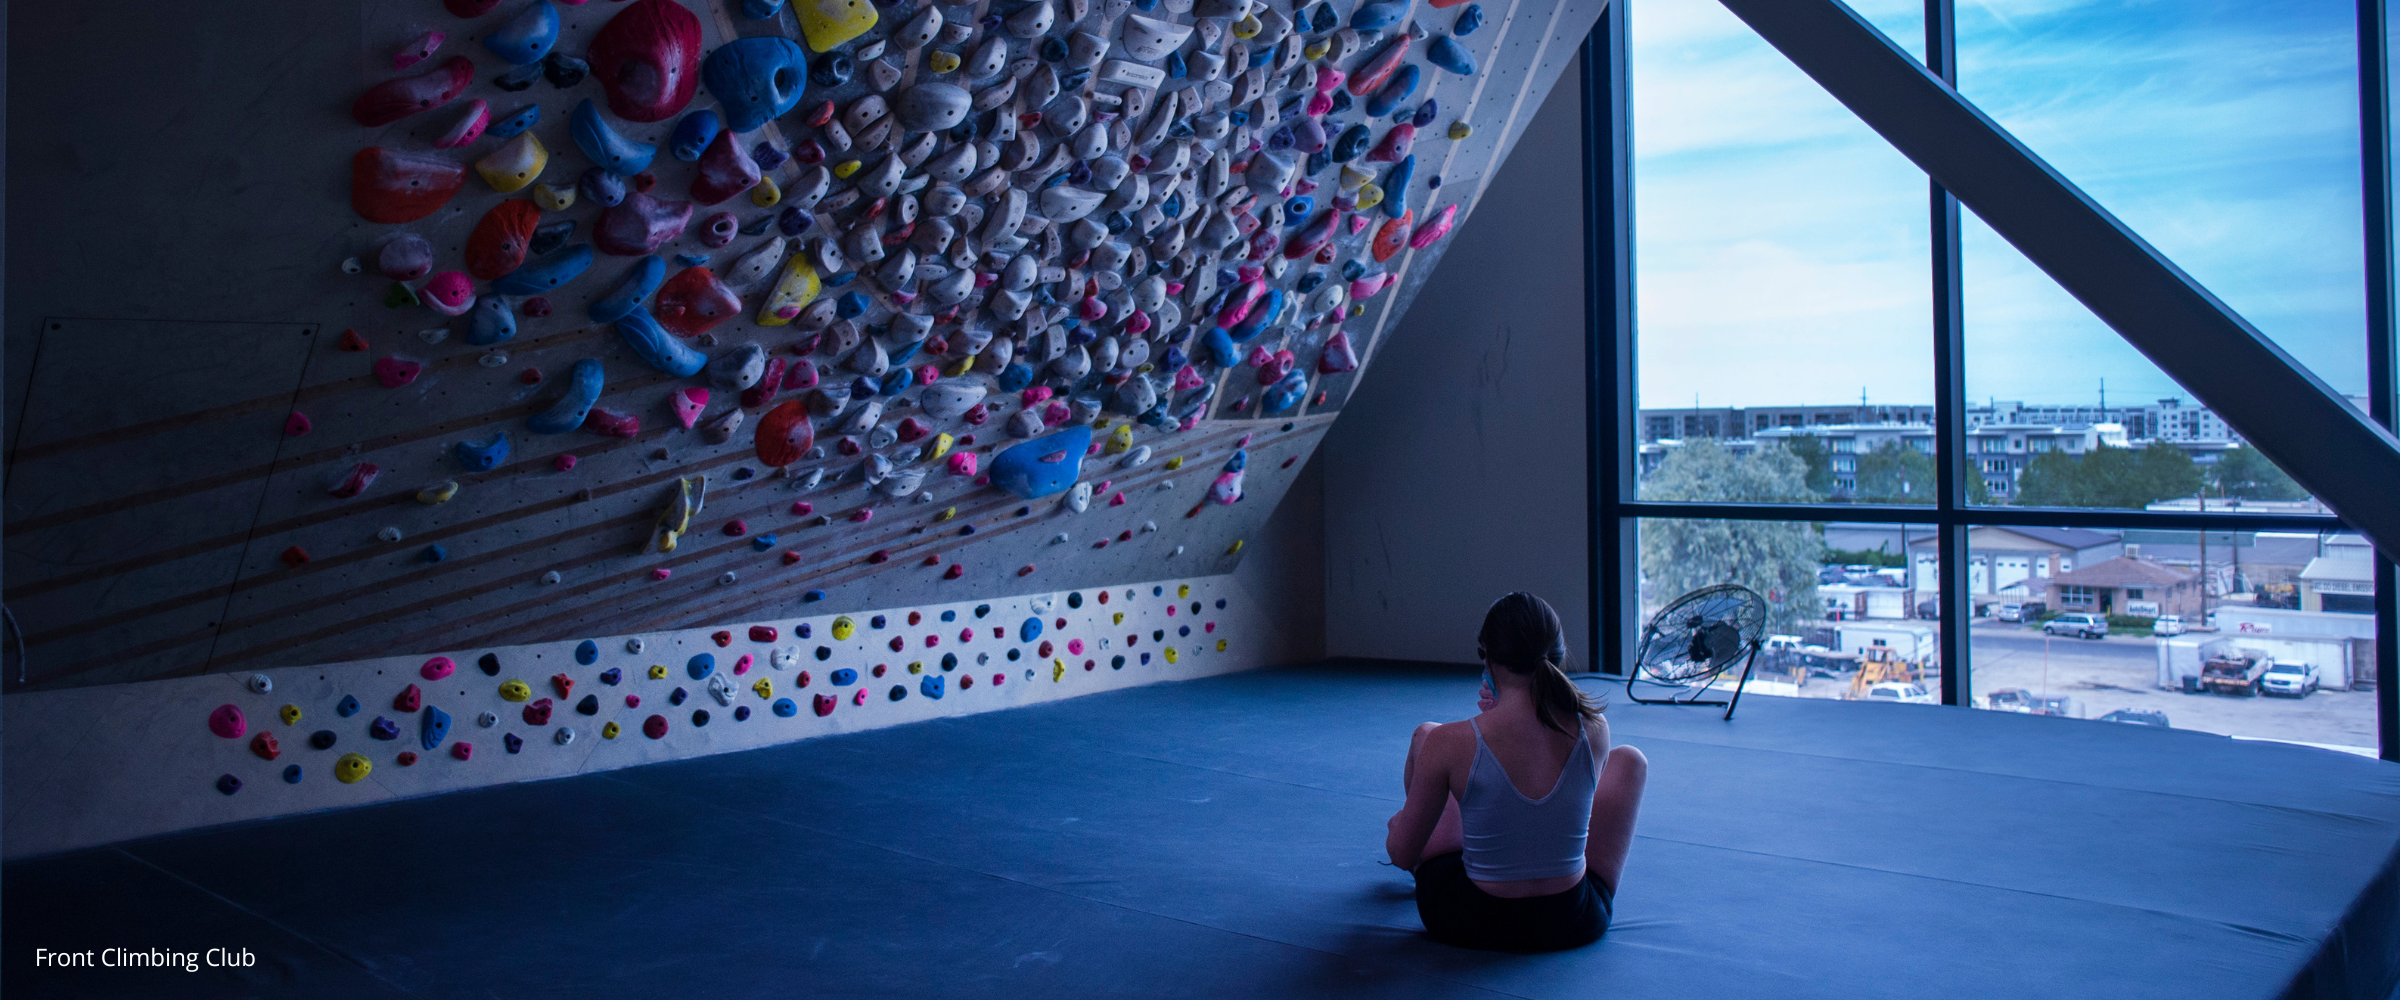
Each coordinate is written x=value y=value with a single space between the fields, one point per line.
x=1428 y=793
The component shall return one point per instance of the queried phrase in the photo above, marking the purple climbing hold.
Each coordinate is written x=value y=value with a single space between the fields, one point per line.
x=228 y=784
x=383 y=729
x=513 y=742
x=611 y=676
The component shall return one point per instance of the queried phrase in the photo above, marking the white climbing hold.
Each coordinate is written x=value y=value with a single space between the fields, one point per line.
x=566 y=735
x=488 y=719
x=551 y=577
x=388 y=534
x=434 y=335
x=633 y=645
x=493 y=359
x=1059 y=539
x=729 y=577
x=261 y=684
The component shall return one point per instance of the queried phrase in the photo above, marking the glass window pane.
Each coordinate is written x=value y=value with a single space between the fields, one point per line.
x=1848 y=606
x=2250 y=634
x=1783 y=290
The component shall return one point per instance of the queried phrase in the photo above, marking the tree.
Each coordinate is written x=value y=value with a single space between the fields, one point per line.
x=1778 y=559
x=2122 y=478
x=1895 y=473
x=1810 y=450
x=2244 y=473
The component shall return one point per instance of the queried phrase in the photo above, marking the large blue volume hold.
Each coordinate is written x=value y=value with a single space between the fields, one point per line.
x=1044 y=465
x=1448 y=54
x=647 y=274
x=583 y=390
x=528 y=37
x=658 y=348
x=607 y=148
x=1397 y=89
x=755 y=79
x=551 y=271
x=1262 y=313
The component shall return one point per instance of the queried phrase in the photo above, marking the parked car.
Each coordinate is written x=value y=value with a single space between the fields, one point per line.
x=1930 y=608
x=2089 y=626
x=2296 y=680
x=2020 y=611
x=1822 y=662
x=2168 y=625
x=1903 y=692
x=2138 y=717
x=2241 y=674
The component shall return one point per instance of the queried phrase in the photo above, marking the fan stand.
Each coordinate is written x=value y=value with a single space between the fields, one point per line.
x=1749 y=659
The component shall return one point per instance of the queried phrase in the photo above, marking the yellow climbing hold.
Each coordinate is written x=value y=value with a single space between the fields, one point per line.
x=691 y=495
x=1183 y=590
x=1058 y=670
x=1461 y=130
x=843 y=627
x=1352 y=177
x=941 y=447
x=658 y=671
x=941 y=62
x=765 y=688
x=352 y=768
x=964 y=365
x=610 y=731
x=1121 y=441
x=946 y=514
x=828 y=23
x=554 y=197
x=1235 y=547
x=1170 y=654
x=845 y=168
x=438 y=493
x=1174 y=463
x=1357 y=309
x=765 y=193
x=917 y=667
x=1220 y=645
x=1120 y=618
x=798 y=288
x=1317 y=50
x=290 y=714
x=1369 y=196
x=515 y=690
x=511 y=167
x=1248 y=27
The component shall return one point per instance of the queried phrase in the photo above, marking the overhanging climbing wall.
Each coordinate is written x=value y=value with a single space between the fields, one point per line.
x=913 y=303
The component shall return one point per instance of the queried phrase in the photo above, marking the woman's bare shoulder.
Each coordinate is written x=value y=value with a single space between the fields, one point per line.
x=1451 y=741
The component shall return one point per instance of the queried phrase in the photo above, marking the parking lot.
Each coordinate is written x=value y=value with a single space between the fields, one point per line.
x=2121 y=672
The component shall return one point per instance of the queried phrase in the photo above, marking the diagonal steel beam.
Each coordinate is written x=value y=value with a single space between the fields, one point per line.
x=2343 y=457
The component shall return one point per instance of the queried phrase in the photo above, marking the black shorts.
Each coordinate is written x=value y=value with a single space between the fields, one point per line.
x=1456 y=911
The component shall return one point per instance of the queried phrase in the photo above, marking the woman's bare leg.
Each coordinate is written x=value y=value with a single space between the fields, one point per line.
x=1614 y=806
x=1446 y=837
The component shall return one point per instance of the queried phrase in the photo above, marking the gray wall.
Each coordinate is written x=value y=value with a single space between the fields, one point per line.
x=1459 y=475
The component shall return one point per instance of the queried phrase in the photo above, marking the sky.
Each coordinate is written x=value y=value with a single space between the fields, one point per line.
x=1782 y=250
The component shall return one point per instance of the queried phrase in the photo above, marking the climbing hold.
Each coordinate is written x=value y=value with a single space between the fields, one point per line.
x=606 y=147
x=755 y=79
x=291 y=774
x=488 y=719
x=1378 y=16
x=551 y=271
x=610 y=731
x=498 y=243
x=701 y=666
x=512 y=742
x=394 y=99
x=350 y=769
x=515 y=690
x=640 y=225
x=227 y=722
x=515 y=123
x=655 y=727
x=515 y=164
x=461 y=750
x=1043 y=466
x=725 y=169
x=538 y=713
x=1433 y=229
x=408 y=699
x=693 y=302
x=694 y=133
x=590 y=705
x=648 y=59
x=265 y=746
x=527 y=37
x=433 y=727
x=392 y=187
x=1447 y=53
x=345 y=708
x=562 y=684
x=480 y=456
x=383 y=729
x=564 y=735
x=469 y=127
x=586 y=382
x=829 y=23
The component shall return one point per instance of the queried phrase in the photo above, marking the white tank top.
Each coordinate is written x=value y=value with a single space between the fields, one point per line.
x=1510 y=837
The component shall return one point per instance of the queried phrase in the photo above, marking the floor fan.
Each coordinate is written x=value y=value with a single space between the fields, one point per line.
x=1694 y=639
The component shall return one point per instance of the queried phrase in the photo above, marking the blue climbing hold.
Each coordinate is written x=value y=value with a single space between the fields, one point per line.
x=583 y=390
x=1298 y=209
x=691 y=259
x=482 y=456
x=601 y=187
x=1239 y=461
x=812 y=596
x=1174 y=360
x=527 y=37
x=833 y=69
x=768 y=155
x=851 y=304
x=899 y=692
x=433 y=727
x=901 y=355
x=1116 y=662
x=1468 y=20
x=763 y=542
x=837 y=280
x=1219 y=346
x=492 y=322
x=1399 y=88
x=587 y=652
x=755 y=79
x=1425 y=113
x=660 y=349
x=896 y=381
x=875 y=622
x=590 y=705
x=1044 y=465
x=612 y=676
x=1015 y=377
x=982 y=610
x=741 y=713
x=760 y=10
x=645 y=277
x=517 y=121
x=1175 y=65
x=701 y=666
x=930 y=687
x=843 y=677
x=434 y=554
x=383 y=729
x=1286 y=393
x=785 y=709
x=1378 y=16
x=551 y=271
x=291 y=774
x=1448 y=54
x=347 y=707
x=229 y=784
x=677 y=696
x=1030 y=630
x=1352 y=143
x=794 y=220
x=949 y=661
x=694 y=133
x=604 y=145
x=949 y=616
x=802 y=630
x=1395 y=186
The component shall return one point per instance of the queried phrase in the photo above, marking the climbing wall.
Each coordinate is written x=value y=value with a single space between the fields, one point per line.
x=100 y=764
x=656 y=314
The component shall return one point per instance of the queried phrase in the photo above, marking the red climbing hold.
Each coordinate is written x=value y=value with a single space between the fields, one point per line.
x=933 y=560
x=392 y=100
x=802 y=680
x=392 y=187
x=409 y=699
x=879 y=555
x=737 y=527
x=352 y=340
x=763 y=633
x=633 y=701
x=610 y=423
x=361 y=476
x=538 y=713
x=296 y=424
x=564 y=461
x=562 y=684
x=265 y=746
x=655 y=727
x=661 y=573
x=395 y=372
x=1026 y=571
x=530 y=376
x=825 y=703
x=722 y=639
x=497 y=246
x=783 y=435
x=294 y=556
x=864 y=515
x=462 y=750
x=693 y=302
x=790 y=557
x=899 y=644
x=648 y=59
x=803 y=508
x=408 y=758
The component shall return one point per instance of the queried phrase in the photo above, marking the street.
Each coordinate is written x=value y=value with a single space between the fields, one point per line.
x=2121 y=672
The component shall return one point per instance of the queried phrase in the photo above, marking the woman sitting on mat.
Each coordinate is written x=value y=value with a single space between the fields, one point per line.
x=1518 y=820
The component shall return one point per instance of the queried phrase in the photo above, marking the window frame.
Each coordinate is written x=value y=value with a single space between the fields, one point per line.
x=1612 y=451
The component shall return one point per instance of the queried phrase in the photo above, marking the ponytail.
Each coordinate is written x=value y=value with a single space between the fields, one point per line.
x=1522 y=633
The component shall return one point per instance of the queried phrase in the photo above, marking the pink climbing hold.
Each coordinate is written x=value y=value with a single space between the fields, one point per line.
x=1276 y=367
x=610 y=423
x=1238 y=304
x=825 y=704
x=661 y=573
x=742 y=666
x=1187 y=379
x=469 y=127
x=864 y=515
x=633 y=701
x=418 y=51
x=977 y=414
x=928 y=374
x=392 y=100
x=1137 y=324
x=955 y=571
x=801 y=375
x=227 y=722
x=1358 y=224
x=860 y=698
x=564 y=462
x=296 y=424
x=449 y=293
x=1036 y=394
x=725 y=170
x=1118 y=500
x=737 y=527
x=1259 y=358
x=639 y=225
x=408 y=700
x=361 y=476
x=1395 y=144
x=1339 y=357
x=962 y=463
x=437 y=668
x=803 y=508
x=648 y=59
x=689 y=403
x=693 y=302
x=462 y=750
x=911 y=429
x=1433 y=229
x=1056 y=413
x=1091 y=310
